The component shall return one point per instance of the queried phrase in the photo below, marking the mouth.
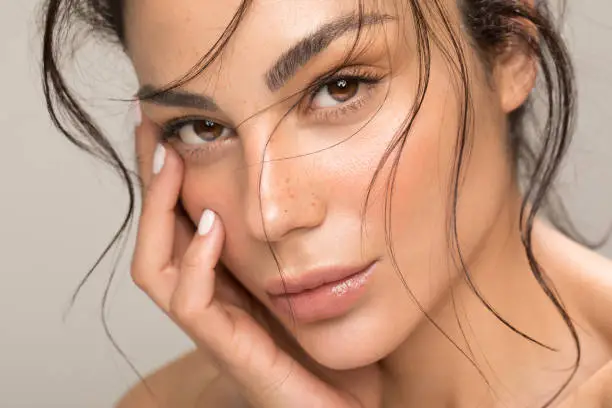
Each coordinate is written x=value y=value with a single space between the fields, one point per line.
x=313 y=279
x=320 y=294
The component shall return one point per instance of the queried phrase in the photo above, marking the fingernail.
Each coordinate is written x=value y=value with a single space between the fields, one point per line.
x=137 y=114
x=159 y=158
x=206 y=222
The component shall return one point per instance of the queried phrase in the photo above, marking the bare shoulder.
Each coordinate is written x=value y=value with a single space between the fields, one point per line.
x=190 y=381
x=594 y=393
x=583 y=278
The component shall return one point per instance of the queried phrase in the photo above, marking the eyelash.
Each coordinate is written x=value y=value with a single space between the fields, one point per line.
x=362 y=75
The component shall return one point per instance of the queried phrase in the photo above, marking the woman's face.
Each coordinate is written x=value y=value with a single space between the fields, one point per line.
x=292 y=171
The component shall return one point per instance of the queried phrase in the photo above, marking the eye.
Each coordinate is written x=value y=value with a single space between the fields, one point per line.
x=201 y=131
x=337 y=92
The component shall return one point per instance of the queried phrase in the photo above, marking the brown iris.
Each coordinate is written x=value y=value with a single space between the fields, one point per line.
x=207 y=130
x=343 y=89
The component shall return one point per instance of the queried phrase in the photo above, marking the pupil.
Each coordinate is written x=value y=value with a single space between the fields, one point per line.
x=207 y=130
x=343 y=90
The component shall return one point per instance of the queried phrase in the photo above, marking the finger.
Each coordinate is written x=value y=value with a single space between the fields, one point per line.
x=183 y=233
x=223 y=329
x=146 y=144
x=152 y=266
x=193 y=303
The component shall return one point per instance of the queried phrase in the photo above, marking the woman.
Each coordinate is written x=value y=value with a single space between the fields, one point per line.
x=341 y=202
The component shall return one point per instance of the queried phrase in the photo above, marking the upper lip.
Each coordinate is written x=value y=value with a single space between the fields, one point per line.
x=312 y=279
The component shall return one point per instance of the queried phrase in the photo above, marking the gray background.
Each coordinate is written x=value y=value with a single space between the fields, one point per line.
x=59 y=208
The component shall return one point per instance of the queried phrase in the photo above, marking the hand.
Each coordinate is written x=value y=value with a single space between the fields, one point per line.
x=179 y=271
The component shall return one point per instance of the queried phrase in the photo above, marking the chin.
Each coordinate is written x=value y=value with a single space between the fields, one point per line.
x=354 y=341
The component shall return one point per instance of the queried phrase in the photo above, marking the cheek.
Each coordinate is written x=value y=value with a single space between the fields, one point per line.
x=422 y=203
x=421 y=197
x=220 y=187
x=200 y=191
x=217 y=188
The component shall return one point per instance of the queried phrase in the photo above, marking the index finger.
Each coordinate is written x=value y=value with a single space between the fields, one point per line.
x=152 y=264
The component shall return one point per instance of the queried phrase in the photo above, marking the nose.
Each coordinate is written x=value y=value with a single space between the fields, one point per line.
x=283 y=196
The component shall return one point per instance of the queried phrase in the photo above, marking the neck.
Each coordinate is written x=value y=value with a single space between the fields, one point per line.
x=478 y=360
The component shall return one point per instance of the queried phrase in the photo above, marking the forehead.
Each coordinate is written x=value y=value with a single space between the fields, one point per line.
x=166 y=39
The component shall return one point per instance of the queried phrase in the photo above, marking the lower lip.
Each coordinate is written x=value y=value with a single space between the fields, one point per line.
x=324 y=302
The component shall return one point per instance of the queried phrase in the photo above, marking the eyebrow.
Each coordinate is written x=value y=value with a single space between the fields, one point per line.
x=285 y=67
x=298 y=55
x=177 y=98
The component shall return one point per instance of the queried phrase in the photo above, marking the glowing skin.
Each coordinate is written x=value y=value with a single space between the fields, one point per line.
x=299 y=181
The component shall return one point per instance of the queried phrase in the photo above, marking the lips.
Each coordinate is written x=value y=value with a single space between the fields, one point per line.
x=321 y=294
x=313 y=279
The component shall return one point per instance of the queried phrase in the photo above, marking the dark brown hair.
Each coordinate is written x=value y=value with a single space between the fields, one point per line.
x=491 y=26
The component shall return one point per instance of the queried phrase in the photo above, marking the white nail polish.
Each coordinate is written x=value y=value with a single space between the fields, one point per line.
x=159 y=158
x=137 y=114
x=206 y=222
